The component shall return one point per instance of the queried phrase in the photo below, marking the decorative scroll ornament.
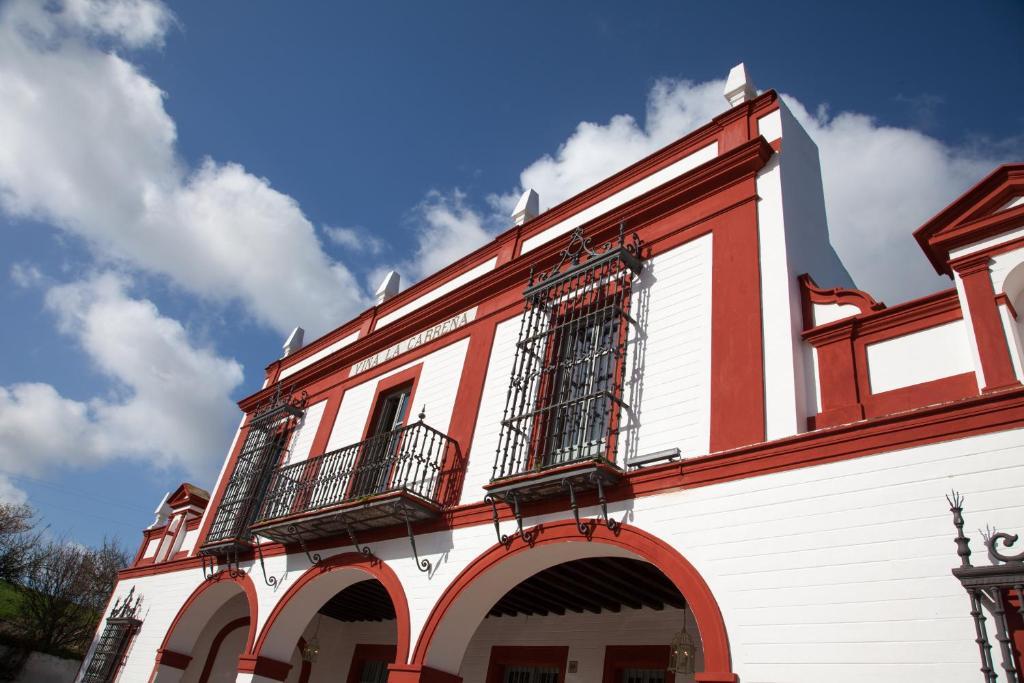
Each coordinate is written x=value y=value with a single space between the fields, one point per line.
x=580 y=245
x=992 y=539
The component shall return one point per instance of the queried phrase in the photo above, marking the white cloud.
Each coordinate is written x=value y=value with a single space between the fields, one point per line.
x=86 y=144
x=26 y=275
x=447 y=228
x=881 y=182
x=356 y=239
x=171 y=405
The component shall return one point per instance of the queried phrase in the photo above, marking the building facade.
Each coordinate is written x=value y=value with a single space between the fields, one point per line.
x=650 y=434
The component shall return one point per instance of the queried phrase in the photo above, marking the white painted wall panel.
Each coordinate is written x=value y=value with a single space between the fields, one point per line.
x=151 y=547
x=687 y=163
x=770 y=126
x=322 y=353
x=492 y=407
x=669 y=367
x=828 y=313
x=189 y=540
x=436 y=389
x=436 y=293
x=305 y=433
x=937 y=352
x=1001 y=266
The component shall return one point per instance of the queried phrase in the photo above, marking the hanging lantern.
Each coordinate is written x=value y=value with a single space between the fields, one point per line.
x=683 y=652
x=312 y=649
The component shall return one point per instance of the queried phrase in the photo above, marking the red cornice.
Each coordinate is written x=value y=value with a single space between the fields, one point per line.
x=970 y=217
x=991 y=412
x=728 y=168
x=813 y=294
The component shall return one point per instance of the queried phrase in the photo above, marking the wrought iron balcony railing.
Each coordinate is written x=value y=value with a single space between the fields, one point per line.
x=408 y=461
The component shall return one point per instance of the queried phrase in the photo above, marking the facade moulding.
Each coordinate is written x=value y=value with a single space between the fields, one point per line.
x=975 y=415
x=712 y=178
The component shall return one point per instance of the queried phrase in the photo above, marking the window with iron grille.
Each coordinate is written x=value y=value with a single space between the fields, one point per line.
x=112 y=645
x=268 y=434
x=565 y=394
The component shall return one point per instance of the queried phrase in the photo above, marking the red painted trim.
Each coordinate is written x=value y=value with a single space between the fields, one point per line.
x=812 y=294
x=504 y=656
x=464 y=417
x=211 y=656
x=364 y=653
x=972 y=416
x=989 y=335
x=263 y=666
x=619 y=657
x=175 y=660
x=737 y=350
x=939 y=390
x=967 y=219
x=1003 y=300
x=187 y=494
x=636 y=541
x=375 y=569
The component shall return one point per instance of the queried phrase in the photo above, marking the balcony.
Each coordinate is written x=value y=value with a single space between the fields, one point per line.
x=389 y=479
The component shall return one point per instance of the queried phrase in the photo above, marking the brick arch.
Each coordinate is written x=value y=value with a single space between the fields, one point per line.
x=211 y=595
x=468 y=598
x=330 y=576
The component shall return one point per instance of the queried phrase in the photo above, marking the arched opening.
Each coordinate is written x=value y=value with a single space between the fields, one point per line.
x=1013 y=288
x=211 y=630
x=351 y=614
x=604 y=609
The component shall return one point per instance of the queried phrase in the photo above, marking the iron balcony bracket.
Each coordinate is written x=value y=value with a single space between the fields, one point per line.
x=209 y=564
x=234 y=565
x=503 y=539
x=527 y=536
x=363 y=550
x=424 y=564
x=271 y=581
x=583 y=528
x=315 y=558
x=612 y=524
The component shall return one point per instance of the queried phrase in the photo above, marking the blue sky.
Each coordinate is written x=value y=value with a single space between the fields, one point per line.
x=179 y=185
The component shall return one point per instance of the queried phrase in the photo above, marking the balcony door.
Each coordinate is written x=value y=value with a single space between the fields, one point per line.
x=380 y=450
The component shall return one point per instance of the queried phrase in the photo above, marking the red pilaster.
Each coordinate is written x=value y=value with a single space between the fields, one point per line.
x=837 y=375
x=737 y=355
x=467 y=409
x=988 y=326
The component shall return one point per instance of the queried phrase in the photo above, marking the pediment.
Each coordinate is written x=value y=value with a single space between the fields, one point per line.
x=992 y=207
x=188 y=494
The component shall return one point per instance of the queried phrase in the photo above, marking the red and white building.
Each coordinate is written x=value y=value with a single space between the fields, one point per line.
x=655 y=413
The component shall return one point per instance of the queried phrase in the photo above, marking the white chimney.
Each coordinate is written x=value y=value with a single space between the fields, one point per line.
x=738 y=86
x=163 y=510
x=294 y=341
x=388 y=286
x=527 y=207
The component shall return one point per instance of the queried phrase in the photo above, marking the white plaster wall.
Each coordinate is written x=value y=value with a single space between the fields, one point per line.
x=640 y=187
x=305 y=433
x=1011 y=328
x=934 y=353
x=793 y=239
x=189 y=539
x=492 y=406
x=838 y=572
x=1001 y=266
x=828 y=313
x=986 y=243
x=151 y=547
x=436 y=389
x=338 y=641
x=668 y=369
x=322 y=353
x=770 y=126
x=585 y=634
x=437 y=292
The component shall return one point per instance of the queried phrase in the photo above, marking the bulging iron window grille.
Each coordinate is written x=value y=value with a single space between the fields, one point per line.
x=565 y=396
x=269 y=432
x=121 y=626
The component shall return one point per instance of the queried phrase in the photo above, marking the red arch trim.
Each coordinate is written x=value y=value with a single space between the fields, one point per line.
x=376 y=569
x=717 y=664
x=247 y=586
